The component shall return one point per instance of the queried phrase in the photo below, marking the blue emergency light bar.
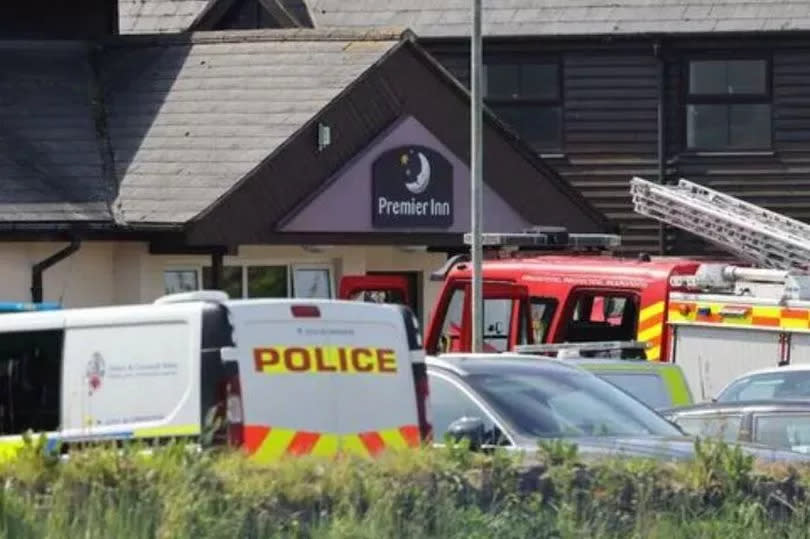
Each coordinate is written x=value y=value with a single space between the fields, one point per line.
x=25 y=307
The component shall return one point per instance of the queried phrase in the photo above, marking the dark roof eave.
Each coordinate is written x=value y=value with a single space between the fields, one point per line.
x=629 y=36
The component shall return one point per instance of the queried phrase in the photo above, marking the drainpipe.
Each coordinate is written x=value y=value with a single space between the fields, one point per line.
x=216 y=270
x=662 y=147
x=40 y=267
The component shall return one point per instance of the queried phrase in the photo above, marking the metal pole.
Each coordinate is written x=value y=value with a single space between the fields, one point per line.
x=476 y=161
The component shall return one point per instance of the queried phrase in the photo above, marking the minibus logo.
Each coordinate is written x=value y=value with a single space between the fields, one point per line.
x=95 y=372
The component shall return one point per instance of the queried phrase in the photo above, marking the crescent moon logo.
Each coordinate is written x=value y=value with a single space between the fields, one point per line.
x=422 y=179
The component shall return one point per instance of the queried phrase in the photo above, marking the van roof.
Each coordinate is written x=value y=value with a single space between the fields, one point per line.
x=656 y=268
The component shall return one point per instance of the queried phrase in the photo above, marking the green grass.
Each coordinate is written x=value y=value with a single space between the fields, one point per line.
x=448 y=493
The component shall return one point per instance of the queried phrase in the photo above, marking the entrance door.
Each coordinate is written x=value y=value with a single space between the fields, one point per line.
x=506 y=318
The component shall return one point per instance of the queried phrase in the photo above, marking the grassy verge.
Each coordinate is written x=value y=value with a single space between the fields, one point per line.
x=102 y=493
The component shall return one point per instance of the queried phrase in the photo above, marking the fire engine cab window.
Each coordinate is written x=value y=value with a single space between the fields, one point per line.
x=451 y=326
x=30 y=380
x=597 y=317
x=497 y=319
x=542 y=311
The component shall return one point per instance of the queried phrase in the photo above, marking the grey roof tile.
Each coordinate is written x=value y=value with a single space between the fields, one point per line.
x=158 y=16
x=448 y=18
x=187 y=121
x=50 y=159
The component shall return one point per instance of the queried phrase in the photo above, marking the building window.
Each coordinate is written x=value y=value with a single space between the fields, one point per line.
x=180 y=280
x=309 y=282
x=527 y=97
x=267 y=282
x=259 y=281
x=728 y=105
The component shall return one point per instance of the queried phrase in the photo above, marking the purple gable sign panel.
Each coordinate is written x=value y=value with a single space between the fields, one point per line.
x=412 y=186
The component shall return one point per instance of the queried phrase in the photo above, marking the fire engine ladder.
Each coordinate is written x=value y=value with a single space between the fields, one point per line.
x=759 y=236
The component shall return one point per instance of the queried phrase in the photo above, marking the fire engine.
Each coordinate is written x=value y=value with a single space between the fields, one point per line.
x=717 y=317
x=728 y=319
x=534 y=294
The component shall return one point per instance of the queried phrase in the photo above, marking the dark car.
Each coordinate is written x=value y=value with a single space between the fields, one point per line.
x=514 y=401
x=777 y=424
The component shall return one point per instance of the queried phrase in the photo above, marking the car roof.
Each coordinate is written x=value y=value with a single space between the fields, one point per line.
x=798 y=367
x=739 y=406
x=471 y=363
x=641 y=364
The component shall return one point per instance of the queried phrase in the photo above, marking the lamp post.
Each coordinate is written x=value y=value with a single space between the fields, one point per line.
x=476 y=162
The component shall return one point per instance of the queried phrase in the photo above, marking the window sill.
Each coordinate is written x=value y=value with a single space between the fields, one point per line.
x=728 y=153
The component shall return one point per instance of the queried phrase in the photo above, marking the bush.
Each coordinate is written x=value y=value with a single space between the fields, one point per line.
x=174 y=493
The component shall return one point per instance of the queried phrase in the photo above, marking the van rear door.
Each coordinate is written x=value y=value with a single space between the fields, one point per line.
x=324 y=377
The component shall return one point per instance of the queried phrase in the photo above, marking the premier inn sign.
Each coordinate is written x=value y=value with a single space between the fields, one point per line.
x=412 y=186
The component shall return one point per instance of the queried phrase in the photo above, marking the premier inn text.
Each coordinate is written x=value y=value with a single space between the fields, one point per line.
x=430 y=207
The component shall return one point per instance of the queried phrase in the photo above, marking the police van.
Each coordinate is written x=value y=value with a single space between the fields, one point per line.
x=278 y=377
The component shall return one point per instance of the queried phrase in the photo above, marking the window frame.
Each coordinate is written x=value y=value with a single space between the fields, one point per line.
x=688 y=98
x=245 y=264
x=292 y=268
x=197 y=270
x=509 y=441
x=559 y=102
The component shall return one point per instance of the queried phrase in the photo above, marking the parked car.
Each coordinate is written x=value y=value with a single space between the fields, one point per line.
x=514 y=401
x=790 y=382
x=656 y=384
x=778 y=424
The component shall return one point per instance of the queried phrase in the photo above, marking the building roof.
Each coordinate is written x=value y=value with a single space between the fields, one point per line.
x=189 y=118
x=158 y=16
x=51 y=165
x=169 y=16
x=451 y=18
x=218 y=129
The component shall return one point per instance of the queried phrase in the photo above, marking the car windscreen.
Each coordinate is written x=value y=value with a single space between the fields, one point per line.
x=566 y=403
x=649 y=388
x=766 y=386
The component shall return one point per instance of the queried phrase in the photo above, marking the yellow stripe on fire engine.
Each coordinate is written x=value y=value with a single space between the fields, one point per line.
x=651 y=310
x=324 y=359
x=766 y=316
x=651 y=327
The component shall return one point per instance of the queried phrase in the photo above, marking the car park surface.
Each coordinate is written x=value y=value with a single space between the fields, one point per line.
x=515 y=401
x=778 y=424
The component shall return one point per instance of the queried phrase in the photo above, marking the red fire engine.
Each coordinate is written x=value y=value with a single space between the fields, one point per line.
x=532 y=298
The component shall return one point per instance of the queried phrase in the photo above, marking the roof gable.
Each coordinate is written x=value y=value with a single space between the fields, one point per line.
x=567 y=17
x=350 y=191
x=406 y=82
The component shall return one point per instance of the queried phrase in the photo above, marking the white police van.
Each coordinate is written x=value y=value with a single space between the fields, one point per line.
x=281 y=377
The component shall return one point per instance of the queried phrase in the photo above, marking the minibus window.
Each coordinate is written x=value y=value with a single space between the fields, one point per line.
x=30 y=381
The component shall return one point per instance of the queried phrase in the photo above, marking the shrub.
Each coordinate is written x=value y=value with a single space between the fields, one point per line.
x=175 y=493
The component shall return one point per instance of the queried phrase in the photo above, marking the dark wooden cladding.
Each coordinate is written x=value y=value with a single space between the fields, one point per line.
x=610 y=103
x=610 y=99
x=58 y=19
